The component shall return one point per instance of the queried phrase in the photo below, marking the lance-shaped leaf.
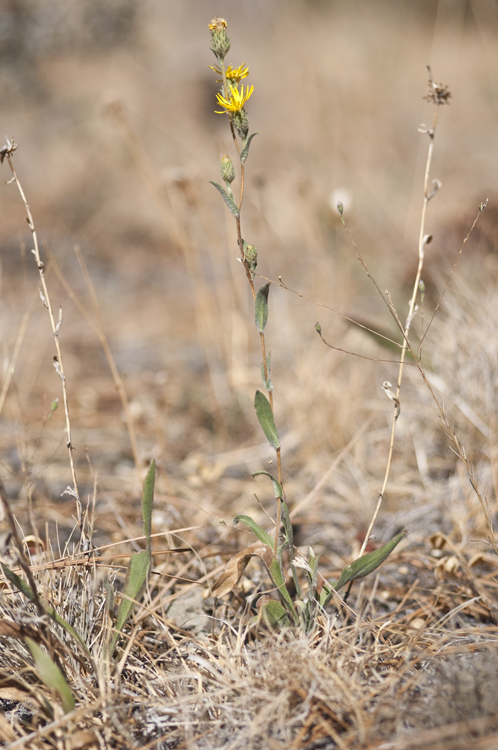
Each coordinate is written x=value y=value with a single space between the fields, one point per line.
x=278 y=579
x=261 y=307
x=277 y=487
x=289 y=532
x=51 y=675
x=266 y=420
x=256 y=530
x=367 y=563
x=29 y=594
x=245 y=151
x=139 y=567
x=267 y=381
x=273 y=614
x=228 y=199
x=147 y=501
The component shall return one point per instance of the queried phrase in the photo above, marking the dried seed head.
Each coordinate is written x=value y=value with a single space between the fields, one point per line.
x=438 y=93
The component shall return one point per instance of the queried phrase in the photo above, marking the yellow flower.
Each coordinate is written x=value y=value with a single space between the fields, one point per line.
x=234 y=75
x=236 y=101
x=217 y=24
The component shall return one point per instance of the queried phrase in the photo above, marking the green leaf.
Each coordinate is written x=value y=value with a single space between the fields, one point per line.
x=51 y=675
x=274 y=615
x=267 y=383
x=367 y=563
x=28 y=593
x=277 y=487
x=288 y=530
x=271 y=562
x=228 y=199
x=256 y=530
x=266 y=420
x=147 y=501
x=140 y=562
x=278 y=580
x=261 y=307
x=245 y=151
x=136 y=577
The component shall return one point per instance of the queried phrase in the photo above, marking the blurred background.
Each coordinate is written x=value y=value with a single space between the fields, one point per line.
x=112 y=105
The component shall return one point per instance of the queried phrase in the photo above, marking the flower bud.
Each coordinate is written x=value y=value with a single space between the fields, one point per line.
x=227 y=169
x=240 y=122
x=250 y=258
x=220 y=43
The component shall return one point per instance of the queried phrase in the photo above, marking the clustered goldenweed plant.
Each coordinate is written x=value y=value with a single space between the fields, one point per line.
x=311 y=599
x=90 y=645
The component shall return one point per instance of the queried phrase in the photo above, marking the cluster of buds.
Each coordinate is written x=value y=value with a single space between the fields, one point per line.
x=230 y=97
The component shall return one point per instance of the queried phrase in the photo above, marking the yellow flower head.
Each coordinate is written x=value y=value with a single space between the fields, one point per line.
x=234 y=75
x=236 y=101
x=217 y=24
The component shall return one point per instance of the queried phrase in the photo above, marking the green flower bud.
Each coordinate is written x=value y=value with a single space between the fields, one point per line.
x=250 y=258
x=220 y=43
x=227 y=169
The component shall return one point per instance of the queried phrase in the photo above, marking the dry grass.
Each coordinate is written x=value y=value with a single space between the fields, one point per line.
x=117 y=142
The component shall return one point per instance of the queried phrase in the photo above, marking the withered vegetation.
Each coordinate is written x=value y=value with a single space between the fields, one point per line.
x=111 y=109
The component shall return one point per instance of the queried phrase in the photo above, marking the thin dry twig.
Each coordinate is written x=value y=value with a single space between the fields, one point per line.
x=6 y=153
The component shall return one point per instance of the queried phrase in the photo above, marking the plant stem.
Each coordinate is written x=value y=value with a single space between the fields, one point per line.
x=406 y=330
x=57 y=360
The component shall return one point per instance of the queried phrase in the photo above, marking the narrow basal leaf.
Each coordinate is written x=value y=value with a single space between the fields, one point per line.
x=136 y=577
x=228 y=199
x=139 y=567
x=147 y=501
x=367 y=563
x=274 y=615
x=245 y=151
x=266 y=420
x=289 y=532
x=256 y=530
x=51 y=675
x=261 y=307
x=278 y=580
x=28 y=593
x=277 y=487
